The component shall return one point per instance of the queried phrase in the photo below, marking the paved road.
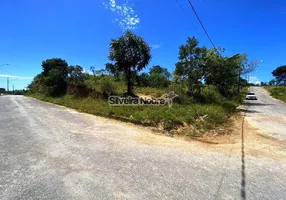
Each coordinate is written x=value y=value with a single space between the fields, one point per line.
x=267 y=114
x=50 y=152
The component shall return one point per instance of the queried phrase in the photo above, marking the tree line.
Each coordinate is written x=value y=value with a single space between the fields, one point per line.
x=197 y=68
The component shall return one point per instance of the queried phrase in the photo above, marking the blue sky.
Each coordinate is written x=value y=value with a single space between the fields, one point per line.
x=80 y=31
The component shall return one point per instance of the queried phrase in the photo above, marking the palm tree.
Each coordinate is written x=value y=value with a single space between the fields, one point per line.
x=130 y=54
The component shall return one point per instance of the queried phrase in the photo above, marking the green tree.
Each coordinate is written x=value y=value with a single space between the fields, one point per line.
x=76 y=81
x=92 y=69
x=246 y=66
x=280 y=74
x=224 y=72
x=76 y=75
x=36 y=84
x=272 y=82
x=113 y=70
x=159 y=77
x=191 y=65
x=55 y=64
x=54 y=73
x=99 y=72
x=157 y=69
x=263 y=83
x=158 y=81
x=143 y=80
x=130 y=54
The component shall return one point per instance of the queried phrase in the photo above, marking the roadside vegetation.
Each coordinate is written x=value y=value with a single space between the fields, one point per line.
x=277 y=86
x=278 y=92
x=209 y=85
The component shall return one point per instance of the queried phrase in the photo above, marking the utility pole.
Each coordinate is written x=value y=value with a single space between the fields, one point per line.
x=13 y=88
x=7 y=84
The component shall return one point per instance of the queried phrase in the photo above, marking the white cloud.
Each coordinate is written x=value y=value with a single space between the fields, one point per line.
x=16 y=77
x=126 y=17
x=254 y=80
x=155 y=46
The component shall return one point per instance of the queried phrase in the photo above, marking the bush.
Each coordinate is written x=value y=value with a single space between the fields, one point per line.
x=107 y=88
x=77 y=90
x=101 y=86
x=210 y=95
x=158 y=81
x=203 y=117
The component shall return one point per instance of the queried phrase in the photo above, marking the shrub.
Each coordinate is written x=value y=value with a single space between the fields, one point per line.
x=107 y=88
x=158 y=81
x=77 y=90
x=210 y=95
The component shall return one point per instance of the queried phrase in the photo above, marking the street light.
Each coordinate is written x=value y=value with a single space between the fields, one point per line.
x=7 y=77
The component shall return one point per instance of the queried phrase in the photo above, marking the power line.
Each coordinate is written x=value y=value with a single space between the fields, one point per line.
x=194 y=10
x=185 y=13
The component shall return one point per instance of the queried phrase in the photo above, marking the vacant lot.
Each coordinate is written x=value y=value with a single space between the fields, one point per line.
x=187 y=120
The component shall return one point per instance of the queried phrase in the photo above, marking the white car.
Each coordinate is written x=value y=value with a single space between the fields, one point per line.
x=251 y=96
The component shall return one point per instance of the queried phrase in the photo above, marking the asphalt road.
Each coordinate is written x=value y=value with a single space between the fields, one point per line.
x=267 y=114
x=50 y=152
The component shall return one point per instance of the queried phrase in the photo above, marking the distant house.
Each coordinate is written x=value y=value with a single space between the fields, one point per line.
x=2 y=90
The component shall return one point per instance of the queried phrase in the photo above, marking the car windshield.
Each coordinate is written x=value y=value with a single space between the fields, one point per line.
x=250 y=93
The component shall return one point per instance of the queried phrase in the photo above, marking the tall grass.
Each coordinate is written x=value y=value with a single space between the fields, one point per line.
x=278 y=92
x=203 y=117
x=207 y=112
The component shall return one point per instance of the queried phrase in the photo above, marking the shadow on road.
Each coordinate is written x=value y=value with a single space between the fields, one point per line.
x=246 y=110
x=256 y=104
x=243 y=175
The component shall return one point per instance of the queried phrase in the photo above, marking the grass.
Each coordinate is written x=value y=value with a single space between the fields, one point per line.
x=278 y=92
x=201 y=117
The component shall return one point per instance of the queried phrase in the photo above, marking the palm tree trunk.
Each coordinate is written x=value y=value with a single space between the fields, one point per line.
x=129 y=82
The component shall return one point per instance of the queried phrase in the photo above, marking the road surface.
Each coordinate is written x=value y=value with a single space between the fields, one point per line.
x=51 y=152
x=267 y=114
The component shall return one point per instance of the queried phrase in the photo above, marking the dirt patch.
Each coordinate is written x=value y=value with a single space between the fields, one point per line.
x=143 y=96
x=255 y=144
x=230 y=142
